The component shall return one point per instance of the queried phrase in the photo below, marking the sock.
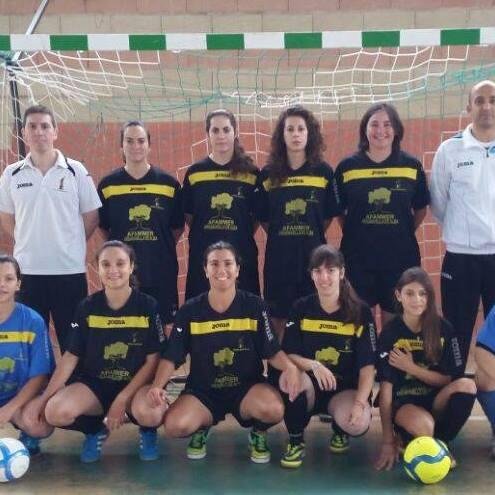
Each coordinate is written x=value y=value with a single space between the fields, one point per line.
x=296 y=438
x=337 y=429
x=454 y=416
x=487 y=401
x=260 y=426
x=296 y=415
x=145 y=429
x=89 y=425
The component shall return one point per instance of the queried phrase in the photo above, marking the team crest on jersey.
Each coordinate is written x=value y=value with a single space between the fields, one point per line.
x=221 y=204
x=296 y=210
x=378 y=199
x=329 y=356
x=223 y=359
x=140 y=215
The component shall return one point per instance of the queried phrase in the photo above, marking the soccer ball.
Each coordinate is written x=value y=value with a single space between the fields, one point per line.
x=14 y=459
x=427 y=460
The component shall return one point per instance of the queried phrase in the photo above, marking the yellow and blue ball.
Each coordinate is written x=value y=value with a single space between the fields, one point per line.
x=427 y=460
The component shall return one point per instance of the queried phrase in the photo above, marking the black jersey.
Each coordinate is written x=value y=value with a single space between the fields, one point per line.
x=143 y=213
x=226 y=349
x=296 y=212
x=222 y=208
x=378 y=199
x=344 y=348
x=396 y=334
x=112 y=345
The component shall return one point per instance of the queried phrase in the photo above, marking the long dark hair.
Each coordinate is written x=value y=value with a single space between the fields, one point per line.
x=133 y=281
x=350 y=303
x=430 y=319
x=277 y=160
x=393 y=115
x=241 y=162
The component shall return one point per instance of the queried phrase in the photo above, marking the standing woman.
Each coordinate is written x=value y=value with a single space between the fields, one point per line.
x=218 y=203
x=26 y=359
x=227 y=334
x=383 y=194
x=112 y=353
x=295 y=203
x=142 y=206
x=330 y=336
x=420 y=368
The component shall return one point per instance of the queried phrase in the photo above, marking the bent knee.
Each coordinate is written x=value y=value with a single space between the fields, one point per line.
x=58 y=414
x=176 y=427
x=464 y=385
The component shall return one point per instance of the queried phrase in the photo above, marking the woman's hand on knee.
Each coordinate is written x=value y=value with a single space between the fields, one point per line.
x=156 y=397
x=116 y=415
x=325 y=378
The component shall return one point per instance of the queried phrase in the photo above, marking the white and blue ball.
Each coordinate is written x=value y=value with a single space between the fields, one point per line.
x=14 y=459
x=427 y=460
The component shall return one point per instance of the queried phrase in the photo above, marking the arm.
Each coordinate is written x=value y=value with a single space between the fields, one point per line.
x=292 y=377
x=156 y=394
x=326 y=379
x=388 y=452
x=419 y=216
x=403 y=360
x=90 y=220
x=30 y=390
x=105 y=234
x=177 y=233
x=341 y=221
x=116 y=413
x=365 y=386
x=439 y=185
x=7 y=221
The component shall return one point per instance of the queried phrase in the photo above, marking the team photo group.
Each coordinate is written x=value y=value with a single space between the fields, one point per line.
x=297 y=339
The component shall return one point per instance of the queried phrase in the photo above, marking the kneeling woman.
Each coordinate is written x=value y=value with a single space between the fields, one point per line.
x=419 y=369
x=331 y=337
x=26 y=357
x=227 y=333
x=112 y=352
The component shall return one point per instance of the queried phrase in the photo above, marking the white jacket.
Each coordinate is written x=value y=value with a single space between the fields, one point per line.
x=463 y=193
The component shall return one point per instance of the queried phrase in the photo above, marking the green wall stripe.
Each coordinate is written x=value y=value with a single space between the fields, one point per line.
x=147 y=42
x=303 y=40
x=68 y=42
x=460 y=37
x=225 y=41
x=380 y=38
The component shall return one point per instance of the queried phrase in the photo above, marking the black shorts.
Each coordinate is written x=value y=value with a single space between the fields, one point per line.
x=104 y=391
x=223 y=402
x=375 y=286
x=166 y=299
x=424 y=401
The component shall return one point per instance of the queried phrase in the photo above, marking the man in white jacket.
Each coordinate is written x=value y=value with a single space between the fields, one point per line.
x=463 y=201
x=49 y=207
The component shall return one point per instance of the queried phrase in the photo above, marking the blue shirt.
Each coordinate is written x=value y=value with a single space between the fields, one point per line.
x=25 y=350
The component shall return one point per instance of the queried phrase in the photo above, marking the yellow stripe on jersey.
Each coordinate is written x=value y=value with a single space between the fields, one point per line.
x=10 y=337
x=381 y=173
x=301 y=181
x=230 y=325
x=159 y=189
x=413 y=344
x=335 y=327
x=109 y=322
x=221 y=175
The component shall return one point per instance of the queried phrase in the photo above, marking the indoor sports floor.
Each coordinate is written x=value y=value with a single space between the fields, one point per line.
x=228 y=470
